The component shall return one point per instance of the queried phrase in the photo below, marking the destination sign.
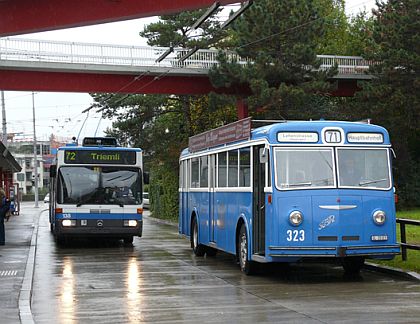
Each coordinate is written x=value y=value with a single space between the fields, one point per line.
x=297 y=137
x=233 y=132
x=365 y=138
x=99 y=157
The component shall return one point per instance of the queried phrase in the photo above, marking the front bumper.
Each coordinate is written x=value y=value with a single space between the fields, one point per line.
x=335 y=251
x=110 y=228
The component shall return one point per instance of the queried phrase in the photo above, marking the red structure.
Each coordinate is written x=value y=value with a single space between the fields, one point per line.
x=29 y=16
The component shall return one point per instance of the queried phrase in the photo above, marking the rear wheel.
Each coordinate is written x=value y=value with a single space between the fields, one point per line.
x=352 y=265
x=198 y=249
x=246 y=265
x=211 y=252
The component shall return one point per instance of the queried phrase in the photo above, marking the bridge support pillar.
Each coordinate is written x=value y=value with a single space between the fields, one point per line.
x=241 y=108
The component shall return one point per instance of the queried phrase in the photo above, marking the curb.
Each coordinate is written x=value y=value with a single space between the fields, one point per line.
x=25 y=294
x=411 y=275
x=161 y=221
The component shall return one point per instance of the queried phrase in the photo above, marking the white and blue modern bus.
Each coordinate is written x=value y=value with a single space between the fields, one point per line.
x=290 y=191
x=96 y=191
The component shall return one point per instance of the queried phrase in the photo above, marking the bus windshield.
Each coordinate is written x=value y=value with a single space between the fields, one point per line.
x=304 y=168
x=363 y=168
x=93 y=185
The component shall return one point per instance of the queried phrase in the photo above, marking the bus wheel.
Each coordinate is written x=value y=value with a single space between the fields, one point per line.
x=198 y=249
x=128 y=240
x=352 y=265
x=246 y=265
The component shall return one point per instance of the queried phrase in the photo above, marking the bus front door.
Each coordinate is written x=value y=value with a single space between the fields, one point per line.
x=260 y=158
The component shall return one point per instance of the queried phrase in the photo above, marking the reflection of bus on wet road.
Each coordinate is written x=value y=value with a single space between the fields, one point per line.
x=96 y=190
x=290 y=191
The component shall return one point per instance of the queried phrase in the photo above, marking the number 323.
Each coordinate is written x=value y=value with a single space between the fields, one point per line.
x=295 y=235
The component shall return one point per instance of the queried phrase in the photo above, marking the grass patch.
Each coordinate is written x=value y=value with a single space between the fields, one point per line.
x=413 y=237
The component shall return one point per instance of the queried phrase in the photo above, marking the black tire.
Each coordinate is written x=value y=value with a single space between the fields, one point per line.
x=211 y=252
x=245 y=265
x=352 y=265
x=128 y=240
x=198 y=249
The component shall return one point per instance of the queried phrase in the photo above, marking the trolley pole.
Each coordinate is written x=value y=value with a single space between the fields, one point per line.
x=35 y=155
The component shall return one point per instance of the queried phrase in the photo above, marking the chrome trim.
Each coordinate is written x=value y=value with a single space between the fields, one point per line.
x=301 y=248
x=372 y=247
x=259 y=258
x=304 y=255
x=338 y=207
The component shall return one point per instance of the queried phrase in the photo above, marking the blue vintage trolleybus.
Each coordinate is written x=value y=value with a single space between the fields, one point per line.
x=96 y=191
x=290 y=191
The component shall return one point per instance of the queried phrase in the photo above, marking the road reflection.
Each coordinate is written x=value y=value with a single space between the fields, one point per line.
x=67 y=296
x=134 y=297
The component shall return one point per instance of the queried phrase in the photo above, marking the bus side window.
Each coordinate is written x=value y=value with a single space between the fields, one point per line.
x=233 y=168
x=221 y=169
x=204 y=172
x=195 y=173
x=244 y=167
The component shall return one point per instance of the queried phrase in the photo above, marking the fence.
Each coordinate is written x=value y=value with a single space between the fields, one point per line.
x=31 y=50
x=404 y=245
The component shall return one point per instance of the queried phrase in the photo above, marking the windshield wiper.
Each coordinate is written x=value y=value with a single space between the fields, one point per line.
x=362 y=183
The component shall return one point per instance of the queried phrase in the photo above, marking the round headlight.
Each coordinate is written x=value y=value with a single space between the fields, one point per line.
x=295 y=218
x=379 y=217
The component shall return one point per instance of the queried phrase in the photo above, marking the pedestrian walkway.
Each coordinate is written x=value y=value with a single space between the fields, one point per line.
x=14 y=289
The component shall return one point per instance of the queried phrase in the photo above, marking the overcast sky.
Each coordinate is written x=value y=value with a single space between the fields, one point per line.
x=61 y=113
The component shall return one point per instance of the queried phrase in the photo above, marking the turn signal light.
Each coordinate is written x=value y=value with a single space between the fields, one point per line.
x=139 y=210
x=58 y=210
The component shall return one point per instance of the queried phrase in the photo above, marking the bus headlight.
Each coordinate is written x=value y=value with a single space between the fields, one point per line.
x=296 y=218
x=130 y=222
x=379 y=217
x=68 y=222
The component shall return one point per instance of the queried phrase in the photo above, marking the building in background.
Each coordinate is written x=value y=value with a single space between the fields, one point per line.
x=23 y=151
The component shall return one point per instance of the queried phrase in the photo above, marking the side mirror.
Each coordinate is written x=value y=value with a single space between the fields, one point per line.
x=263 y=155
x=146 y=177
x=53 y=171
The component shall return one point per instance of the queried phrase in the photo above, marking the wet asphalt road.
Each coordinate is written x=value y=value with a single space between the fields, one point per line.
x=159 y=280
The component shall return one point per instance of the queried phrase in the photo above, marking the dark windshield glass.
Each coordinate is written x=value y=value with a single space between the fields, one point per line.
x=99 y=185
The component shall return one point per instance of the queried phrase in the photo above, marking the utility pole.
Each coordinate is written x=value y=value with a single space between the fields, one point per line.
x=35 y=155
x=3 y=114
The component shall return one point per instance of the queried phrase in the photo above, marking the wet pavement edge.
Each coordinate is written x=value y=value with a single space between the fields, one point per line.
x=24 y=304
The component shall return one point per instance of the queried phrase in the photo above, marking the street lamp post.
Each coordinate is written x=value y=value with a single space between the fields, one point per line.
x=35 y=155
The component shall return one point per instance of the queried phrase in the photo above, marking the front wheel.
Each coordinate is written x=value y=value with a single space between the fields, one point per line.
x=246 y=265
x=128 y=240
x=352 y=265
x=198 y=249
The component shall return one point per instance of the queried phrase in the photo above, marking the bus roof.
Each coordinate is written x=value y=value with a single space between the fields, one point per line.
x=315 y=133
x=99 y=148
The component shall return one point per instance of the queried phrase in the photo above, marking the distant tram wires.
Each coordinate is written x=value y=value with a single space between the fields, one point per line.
x=211 y=10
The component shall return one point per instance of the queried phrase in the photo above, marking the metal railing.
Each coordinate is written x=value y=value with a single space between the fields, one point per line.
x=404 y=245
x=20 y=49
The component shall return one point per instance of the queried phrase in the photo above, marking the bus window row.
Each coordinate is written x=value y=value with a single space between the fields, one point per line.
x=232 y=170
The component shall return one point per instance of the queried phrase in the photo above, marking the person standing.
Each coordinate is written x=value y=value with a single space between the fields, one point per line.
x=4 y=208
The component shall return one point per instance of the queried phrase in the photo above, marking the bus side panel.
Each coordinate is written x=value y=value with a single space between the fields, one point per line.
x=228 y=209
x=199 y=201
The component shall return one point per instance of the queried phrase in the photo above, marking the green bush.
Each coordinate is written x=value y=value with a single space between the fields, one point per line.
x=163 y=192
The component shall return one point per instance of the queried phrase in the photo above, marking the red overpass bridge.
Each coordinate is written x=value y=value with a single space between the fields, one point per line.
x=34 y=65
